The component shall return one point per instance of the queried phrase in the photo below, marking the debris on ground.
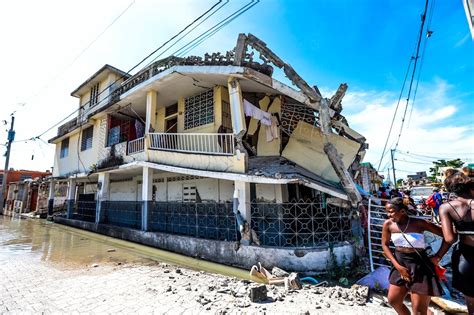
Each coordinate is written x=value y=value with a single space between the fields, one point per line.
x=258 y=293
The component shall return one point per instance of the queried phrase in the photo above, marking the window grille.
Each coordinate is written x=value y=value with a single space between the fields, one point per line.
x=94 y=95
x=64 y=148
x=199 y=110
x=86 y=139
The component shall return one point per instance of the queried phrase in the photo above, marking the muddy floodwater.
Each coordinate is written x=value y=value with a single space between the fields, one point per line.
x=68 y=248
x=50 y=268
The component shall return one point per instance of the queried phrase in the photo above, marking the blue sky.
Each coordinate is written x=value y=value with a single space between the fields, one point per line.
x=366 y=44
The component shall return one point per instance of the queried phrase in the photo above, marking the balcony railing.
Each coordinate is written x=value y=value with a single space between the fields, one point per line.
x=136 y=146
x=68 y=126
x=202 y=143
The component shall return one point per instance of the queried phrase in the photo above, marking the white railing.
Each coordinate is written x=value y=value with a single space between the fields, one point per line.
x=203 y=143
x=135 y=146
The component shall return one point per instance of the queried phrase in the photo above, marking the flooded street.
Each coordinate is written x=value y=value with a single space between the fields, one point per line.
x=50 y=268
x=60 y=246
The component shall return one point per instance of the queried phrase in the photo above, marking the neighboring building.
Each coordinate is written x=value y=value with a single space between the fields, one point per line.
x=418 y=176
x=368 y=177
x=20 y=176
x=192 y=146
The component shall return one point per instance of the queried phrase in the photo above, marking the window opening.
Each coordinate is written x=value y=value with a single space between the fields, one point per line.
x=94 y=95
x=64 y=148
x=86 y=139
x=199 y=110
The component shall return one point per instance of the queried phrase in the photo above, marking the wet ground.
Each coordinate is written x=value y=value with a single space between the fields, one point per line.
x=49 y=268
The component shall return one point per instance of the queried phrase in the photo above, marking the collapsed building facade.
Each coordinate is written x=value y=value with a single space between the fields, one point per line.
x=212 y=157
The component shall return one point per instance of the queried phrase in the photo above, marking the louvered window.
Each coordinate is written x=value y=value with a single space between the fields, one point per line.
x=86 y=139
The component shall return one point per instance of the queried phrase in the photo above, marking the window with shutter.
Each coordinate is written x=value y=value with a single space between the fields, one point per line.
x=86 y=139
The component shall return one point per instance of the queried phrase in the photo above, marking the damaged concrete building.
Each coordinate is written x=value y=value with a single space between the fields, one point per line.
x=214 y=158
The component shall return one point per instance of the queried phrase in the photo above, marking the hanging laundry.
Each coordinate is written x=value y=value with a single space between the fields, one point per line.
x=139 y=128
x=272 y=131
x=256 y=113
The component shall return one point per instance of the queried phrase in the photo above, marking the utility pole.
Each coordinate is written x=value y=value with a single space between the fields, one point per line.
x=11 y=137
x=393 y=169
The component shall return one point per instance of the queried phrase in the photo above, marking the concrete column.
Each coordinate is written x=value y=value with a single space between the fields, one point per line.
x=103 y=192
x=147 y=193
x=242 y=193
x=52 y=187
x=236 y=107
x=151 y=102
x=281 y=193
x=71 y=197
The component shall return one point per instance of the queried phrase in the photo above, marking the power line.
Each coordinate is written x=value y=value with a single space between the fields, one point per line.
x=428 y=35
x=423 y=19
x=216 y=28
x=403 y=87
x=179 y=39
x=107 y=88
x=81 y=53
x=395 y=113
x=412 y=162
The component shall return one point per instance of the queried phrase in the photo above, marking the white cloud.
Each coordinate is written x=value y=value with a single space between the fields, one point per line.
x=428 y=131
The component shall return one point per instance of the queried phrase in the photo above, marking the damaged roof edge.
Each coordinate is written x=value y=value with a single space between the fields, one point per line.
x=105 y=67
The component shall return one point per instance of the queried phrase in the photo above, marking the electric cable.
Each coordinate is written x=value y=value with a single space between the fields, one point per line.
x=423 y=19
x=403 y=86
x=127 y=73
x=428 y=35
x=78 y=55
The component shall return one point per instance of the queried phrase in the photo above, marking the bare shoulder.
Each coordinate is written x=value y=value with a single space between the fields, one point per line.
x=444 y=208
x=387 y=224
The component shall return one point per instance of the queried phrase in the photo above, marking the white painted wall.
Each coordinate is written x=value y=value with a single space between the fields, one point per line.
x=123 y=191
x=78 y=161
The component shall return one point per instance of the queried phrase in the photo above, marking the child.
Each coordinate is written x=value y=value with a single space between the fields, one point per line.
x=412 y=270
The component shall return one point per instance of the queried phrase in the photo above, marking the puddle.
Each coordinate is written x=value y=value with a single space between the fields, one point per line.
x=69 y=248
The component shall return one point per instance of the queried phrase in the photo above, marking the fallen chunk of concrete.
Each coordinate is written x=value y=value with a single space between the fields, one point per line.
x=258 y=293
x=279 y=272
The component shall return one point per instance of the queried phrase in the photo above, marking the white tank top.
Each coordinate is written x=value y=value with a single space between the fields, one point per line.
x=417 y=240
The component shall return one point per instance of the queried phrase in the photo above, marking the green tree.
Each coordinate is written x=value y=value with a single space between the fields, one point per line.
x=443 y=163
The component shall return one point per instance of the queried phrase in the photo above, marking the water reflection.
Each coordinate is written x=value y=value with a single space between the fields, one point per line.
x=67 y=248
x=45 y=241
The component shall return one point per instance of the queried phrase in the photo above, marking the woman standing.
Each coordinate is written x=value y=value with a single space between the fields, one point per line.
x=413 y=271
x=460 y=213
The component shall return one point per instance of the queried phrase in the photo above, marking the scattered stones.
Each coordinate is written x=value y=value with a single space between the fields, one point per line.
x=327 y=305
x=168 y=289
x=277 y=272
x=178 y=271
x=166 y=271
x=95 y=265
x=258 y=293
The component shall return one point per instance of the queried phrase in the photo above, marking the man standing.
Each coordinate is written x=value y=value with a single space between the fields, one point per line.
x=438 y=199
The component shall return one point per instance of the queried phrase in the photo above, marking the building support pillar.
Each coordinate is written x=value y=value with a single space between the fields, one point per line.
x=103 y=188
x=52 y=188
x=71 y=197
x=147 y=195
x=242 y=199
x=151 y=103
x=236 y=107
